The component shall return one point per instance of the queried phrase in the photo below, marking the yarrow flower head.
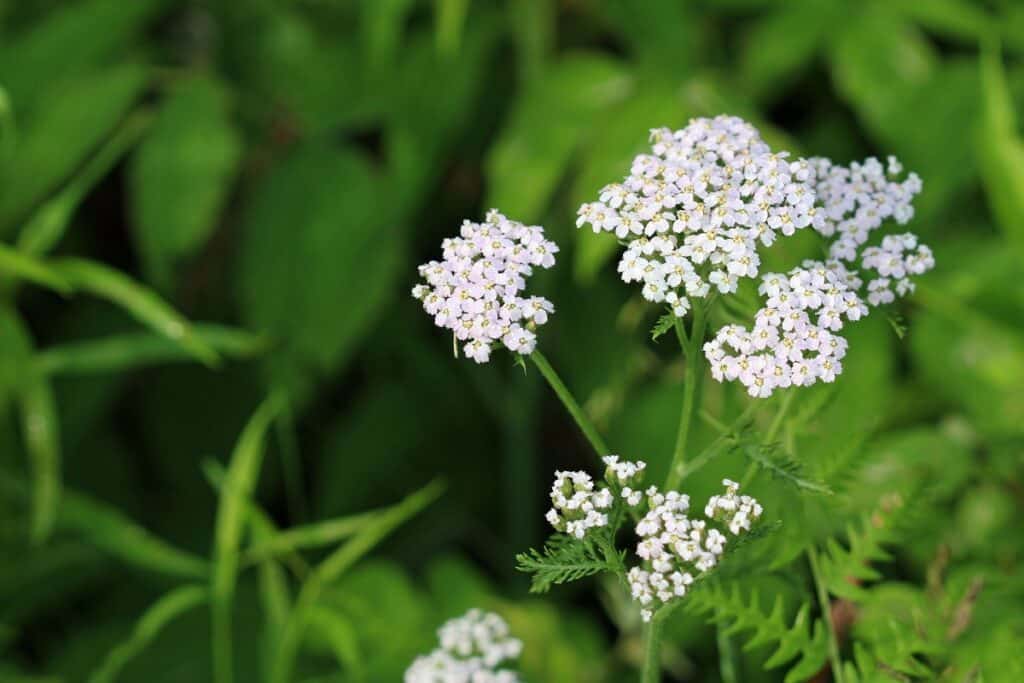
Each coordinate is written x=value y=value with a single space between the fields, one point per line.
x=794 y=340
x=477 y=289
x=694 y=210
x=676 y=548
x=577 y=505
x=471 y=647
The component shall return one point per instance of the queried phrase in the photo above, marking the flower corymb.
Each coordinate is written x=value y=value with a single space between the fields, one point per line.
x=476 y=290
x=694 y=211
x=472 y=646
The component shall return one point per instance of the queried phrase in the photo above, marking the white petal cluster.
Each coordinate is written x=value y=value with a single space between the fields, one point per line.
x=471 y=647
x=732 y=509
x=676 y=548
x=476 y=290
x=693 y=212
x=856 y=200
x=899 y=257
x=576 y=506
x=794 y=340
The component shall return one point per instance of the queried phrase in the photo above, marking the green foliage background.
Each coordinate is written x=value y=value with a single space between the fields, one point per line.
x=276 y=169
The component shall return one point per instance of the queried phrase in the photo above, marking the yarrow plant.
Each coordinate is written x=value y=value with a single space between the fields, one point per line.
x=693 y=215
x=471 y=648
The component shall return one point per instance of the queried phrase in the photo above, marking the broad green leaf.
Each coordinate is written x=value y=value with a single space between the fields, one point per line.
x=163 y=611
x=961 y=19
x=110 y=530
x=47 y=225
x=181 y=175
x=145 y=305
x=243 y=472
x=69 y=40
x=333 y=567
x=534 y=25
x=121 y=352
x=664 y=34
x=552 y=119
x=778 y=47
x=320 y=259
x=71 y=122
x=16 y=265
x=1000 y=149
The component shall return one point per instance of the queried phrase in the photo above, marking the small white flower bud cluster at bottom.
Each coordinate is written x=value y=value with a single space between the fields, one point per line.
x=578 y=507
x=675 y=548
x=471 y=647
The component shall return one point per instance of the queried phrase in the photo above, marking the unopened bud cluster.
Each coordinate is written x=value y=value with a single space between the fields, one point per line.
x=577 y=505
x=476 y=290
x=471 y=648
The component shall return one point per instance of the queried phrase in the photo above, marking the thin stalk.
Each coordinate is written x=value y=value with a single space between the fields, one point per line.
x=728 y=659
x=563 y=393
x=692 y=350
x=769 y=436
x=826 y=613
x=652 y=650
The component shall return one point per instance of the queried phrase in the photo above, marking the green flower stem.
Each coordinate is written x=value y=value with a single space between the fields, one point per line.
x=692 y=346
x=826 y=613
x=652 y=650
x=582 y=421
x=773 y=431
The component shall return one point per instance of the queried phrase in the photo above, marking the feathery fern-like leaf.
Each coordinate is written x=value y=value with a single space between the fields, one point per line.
x=563 y=559
x=781 y=466
x=805 y=638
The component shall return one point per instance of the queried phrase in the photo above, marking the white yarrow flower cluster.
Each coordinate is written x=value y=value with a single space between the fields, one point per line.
x=676 y=548
x=794 y=340
x=694 y=210
x=471 y=647
x=476 y=290
x=579 y=506
x=732 y=509
x=899 y=257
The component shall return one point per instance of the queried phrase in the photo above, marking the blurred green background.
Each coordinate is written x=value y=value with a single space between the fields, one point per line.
x=282 y=166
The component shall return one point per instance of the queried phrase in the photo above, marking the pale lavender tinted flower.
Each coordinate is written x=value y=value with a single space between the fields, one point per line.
x=476 y=289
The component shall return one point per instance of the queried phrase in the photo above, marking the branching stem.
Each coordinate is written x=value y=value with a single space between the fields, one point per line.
x=692 y=346
x=563 y=393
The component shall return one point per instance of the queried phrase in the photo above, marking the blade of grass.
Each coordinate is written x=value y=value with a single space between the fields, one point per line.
x=121 y=352
x=312 y=535
x=41 y=430
x=342 y=638
x=334 y=566
x=144 y=304
x=239 y=484
x=165 y=610
x=50 y=221
x=111 y=531
x=19 y=266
